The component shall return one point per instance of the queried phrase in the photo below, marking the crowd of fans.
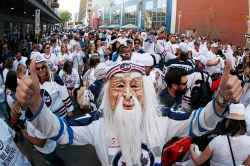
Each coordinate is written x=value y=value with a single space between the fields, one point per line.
x=71 y=66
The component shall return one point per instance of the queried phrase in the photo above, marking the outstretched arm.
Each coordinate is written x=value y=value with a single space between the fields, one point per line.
x=205 y=119
x=52 y=127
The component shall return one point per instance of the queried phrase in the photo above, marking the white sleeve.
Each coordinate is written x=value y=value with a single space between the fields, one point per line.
x=199 y=122
x=77 y=77
x=54 y=128
x=247 y=116
x=214 y=143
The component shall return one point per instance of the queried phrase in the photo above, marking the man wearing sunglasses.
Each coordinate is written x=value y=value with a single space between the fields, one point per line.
x=53 y=91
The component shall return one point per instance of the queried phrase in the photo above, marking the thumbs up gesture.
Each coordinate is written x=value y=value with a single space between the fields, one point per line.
x=28 y=90
x=230 y=89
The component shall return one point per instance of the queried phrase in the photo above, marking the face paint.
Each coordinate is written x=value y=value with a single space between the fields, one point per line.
x=126 y=85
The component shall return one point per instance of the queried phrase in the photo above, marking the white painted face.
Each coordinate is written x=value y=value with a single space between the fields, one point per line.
x=126 y=86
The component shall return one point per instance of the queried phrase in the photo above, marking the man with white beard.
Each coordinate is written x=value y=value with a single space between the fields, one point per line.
x=131 y=132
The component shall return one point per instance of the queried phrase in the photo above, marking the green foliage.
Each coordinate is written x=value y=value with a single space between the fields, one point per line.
x=65 y=16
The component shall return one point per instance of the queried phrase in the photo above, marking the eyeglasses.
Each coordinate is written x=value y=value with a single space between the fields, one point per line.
x=41 y=68
x=47 y=48
x=137 y=43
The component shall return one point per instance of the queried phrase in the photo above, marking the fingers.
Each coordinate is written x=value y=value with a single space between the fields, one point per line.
x=24 y=91
x=33 y=73
x=227 y=69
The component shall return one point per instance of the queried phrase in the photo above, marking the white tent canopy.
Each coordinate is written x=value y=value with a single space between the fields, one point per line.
x=129 y=26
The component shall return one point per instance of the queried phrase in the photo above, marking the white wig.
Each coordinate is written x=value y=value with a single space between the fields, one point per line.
x=149 y=118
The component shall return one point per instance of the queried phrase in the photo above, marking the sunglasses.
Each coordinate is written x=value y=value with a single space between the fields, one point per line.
x=41 y=68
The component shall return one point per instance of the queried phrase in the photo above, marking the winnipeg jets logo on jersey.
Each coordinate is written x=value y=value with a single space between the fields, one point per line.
x=147 y=158
x=46 y=97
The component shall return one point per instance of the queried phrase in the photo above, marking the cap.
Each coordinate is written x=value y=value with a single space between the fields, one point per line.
x=145 y=59
x=125 y=67
x=100 y=71
x=39 y=58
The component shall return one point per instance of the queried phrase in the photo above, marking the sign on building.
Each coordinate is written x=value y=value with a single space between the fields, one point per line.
x=37 y=21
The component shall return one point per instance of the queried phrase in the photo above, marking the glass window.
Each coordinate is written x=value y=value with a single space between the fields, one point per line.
x=130 y=14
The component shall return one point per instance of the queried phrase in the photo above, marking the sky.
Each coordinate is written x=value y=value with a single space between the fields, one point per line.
x=71 y=5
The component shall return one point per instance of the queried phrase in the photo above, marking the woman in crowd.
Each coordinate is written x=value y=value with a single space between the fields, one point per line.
x=8 y=66
x=51 y=58
x=64 y=55
x=89 y=77
x=229 y=148
x=78 y=59
x=70 y=77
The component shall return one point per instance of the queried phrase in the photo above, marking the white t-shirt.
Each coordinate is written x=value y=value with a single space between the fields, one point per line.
x=221 y=150
x=10 y=155
x=217 y=68
x=52 y=60
x=49 y=146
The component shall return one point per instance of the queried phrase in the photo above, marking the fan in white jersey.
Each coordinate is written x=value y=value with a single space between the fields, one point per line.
x=53 y=90
x=131 y=132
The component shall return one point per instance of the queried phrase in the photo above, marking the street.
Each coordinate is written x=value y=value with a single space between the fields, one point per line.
x=72 y=155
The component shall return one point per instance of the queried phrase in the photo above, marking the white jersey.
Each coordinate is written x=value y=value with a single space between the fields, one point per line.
x=72 y=80
x=10 y=155
x=56 y=97
x=78 y=60
x=21 y=61
x=52 y=61
x=165 y=49
x=108 y=150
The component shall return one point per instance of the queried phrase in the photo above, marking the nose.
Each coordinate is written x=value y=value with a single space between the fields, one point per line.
x=127 y=94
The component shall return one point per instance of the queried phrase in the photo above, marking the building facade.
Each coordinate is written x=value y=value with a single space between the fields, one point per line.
x=226 y=20
x=17 y=18
x=146 y=14
x=222 y=19
x=83 y=11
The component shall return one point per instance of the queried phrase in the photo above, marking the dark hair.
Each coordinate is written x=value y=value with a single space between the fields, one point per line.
x=46 y=44
x=122 y=48
x=232 y=127
x=67 y=67
x=136 y=39
x=11 y=81
x=8 y=63
x=173 y=76
x=93 y=61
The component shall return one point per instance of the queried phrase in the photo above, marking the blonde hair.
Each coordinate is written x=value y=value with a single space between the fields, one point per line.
x=21 y=70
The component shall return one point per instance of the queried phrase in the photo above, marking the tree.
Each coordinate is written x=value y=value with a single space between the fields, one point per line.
x=65 y=16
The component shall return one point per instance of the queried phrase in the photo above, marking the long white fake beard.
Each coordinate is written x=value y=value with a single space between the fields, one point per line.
x=127 y=126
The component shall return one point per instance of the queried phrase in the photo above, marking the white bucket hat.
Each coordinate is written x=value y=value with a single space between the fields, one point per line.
x=236 y=112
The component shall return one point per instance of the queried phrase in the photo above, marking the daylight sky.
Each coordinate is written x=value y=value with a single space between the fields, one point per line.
x=71 y=5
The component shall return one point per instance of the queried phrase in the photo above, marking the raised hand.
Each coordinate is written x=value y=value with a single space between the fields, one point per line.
x=230 y=89
x=28 y=90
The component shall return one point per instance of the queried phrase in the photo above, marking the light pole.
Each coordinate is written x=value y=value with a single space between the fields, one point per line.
x=179 y=21
x=122 y=12
x=110 y=13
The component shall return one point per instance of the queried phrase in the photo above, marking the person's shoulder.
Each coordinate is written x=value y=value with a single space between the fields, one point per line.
x=58 y=80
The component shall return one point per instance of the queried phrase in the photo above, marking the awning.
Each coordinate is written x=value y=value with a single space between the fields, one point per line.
x=24 y=11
